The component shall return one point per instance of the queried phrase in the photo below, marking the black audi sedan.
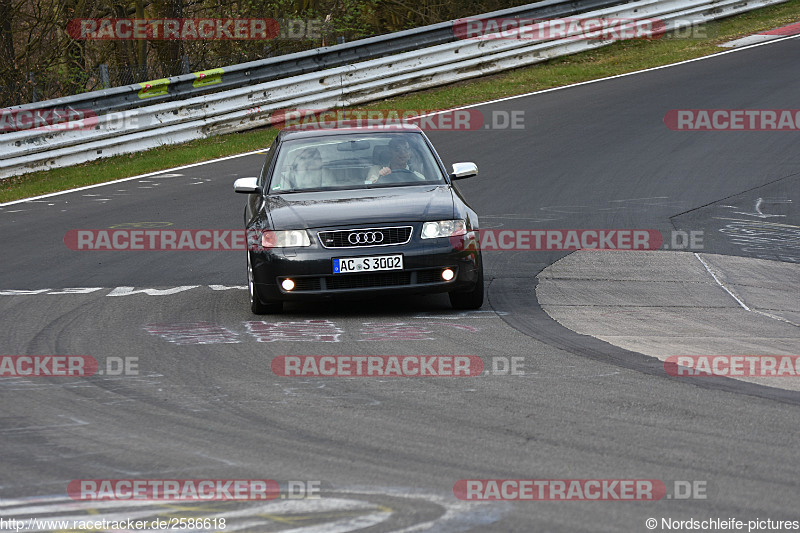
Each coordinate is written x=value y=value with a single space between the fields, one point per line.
x=357 y=211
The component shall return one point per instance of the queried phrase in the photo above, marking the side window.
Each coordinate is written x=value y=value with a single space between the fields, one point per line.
x=265 y=169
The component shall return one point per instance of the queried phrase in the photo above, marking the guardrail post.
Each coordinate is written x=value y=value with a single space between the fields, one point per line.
x=32 y=81
x=105 y=79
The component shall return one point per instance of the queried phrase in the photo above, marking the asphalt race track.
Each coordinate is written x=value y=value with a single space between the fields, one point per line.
x=388 y=452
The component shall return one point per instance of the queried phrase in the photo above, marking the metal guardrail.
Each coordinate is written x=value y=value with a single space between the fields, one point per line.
x=296 y=64
x=253 y=106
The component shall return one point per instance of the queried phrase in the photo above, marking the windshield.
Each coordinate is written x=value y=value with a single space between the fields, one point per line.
x=354 y=162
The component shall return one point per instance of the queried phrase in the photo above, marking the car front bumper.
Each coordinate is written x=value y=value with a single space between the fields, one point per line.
x=311 y=269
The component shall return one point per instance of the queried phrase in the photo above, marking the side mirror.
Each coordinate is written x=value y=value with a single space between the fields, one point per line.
x=246 y=185
x=463 y=170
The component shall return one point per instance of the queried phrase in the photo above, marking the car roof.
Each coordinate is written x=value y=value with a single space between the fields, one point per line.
x=344 y=128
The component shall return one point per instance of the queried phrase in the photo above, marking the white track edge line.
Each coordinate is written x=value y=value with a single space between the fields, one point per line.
x=708 y=269
x=140 y=176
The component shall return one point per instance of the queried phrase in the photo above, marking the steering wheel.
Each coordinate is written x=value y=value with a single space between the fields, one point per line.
x=393 y=178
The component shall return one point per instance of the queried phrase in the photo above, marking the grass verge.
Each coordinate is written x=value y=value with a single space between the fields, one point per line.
x=618 y=58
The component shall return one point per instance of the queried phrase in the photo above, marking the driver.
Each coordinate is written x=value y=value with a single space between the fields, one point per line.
x=400 y=155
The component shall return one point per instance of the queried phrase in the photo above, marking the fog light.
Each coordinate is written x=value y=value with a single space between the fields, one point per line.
x=447 y=274
x=287 y=284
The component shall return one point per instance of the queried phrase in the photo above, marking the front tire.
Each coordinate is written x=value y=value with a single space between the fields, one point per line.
x=256 y=306
x=469 y=300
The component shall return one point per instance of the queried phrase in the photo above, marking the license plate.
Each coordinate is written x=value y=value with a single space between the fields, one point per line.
x=345 y=265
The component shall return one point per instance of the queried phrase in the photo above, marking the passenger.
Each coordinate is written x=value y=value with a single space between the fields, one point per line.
x=307 y=171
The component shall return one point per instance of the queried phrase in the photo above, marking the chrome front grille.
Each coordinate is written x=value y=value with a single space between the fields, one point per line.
x=361 y=237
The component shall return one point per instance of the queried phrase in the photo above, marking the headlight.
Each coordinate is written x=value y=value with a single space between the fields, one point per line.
x=285 y=239
x=443 y=228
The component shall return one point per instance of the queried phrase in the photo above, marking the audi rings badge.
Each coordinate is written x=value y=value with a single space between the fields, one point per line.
x=365 y=237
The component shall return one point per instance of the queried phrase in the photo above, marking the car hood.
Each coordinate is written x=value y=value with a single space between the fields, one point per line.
x=361 y=206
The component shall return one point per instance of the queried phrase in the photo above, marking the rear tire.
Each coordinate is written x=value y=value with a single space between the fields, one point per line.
x=256 y=306
x=469 y=300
